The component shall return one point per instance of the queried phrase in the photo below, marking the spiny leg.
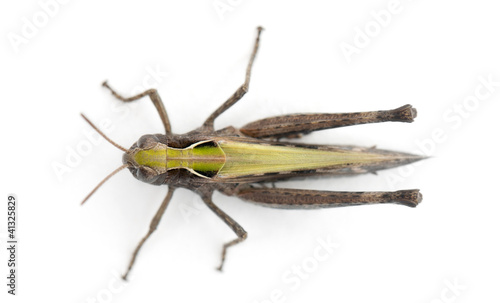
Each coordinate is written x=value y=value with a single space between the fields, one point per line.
x=310 y=199
x=155 y=98
x=293 y=125
x=238 y=230
x=240 y=92
x=152 y=228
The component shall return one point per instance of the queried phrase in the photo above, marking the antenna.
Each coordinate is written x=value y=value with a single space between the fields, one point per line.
x=115 y=171
x=103 y=181
x=102 y=134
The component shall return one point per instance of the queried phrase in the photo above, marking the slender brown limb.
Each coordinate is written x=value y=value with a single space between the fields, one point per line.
x=152 y=228
x=238 y=230
x=292 y=125
x=308 y=199
x=155 y=98
x=240 y=92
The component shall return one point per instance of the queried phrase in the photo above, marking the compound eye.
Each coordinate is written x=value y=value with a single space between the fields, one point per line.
x=147 y=142
x=145 y=173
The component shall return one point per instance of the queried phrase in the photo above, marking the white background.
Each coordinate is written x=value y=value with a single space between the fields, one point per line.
x=431 y=54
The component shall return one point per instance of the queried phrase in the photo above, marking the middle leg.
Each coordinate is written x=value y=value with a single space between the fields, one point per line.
x=240 y=92
x=238 y=230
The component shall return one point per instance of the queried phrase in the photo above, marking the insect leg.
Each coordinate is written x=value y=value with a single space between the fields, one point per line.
x=152 y=228
x=309 y=199
x=240 y=92
x=155 y=98
x=293 y=125
x=238 y=230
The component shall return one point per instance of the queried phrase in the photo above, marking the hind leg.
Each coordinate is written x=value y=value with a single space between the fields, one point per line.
x=295 y=125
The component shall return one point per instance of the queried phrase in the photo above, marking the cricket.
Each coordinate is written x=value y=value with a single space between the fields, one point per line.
x=246 y=162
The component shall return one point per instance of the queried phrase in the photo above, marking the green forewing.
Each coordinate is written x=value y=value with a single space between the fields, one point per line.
x=248 y=159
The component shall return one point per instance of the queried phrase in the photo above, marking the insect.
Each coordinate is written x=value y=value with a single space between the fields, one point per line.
x=238 y=162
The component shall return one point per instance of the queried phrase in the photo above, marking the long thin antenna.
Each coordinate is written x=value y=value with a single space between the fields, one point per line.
x=102 y=182
x=102 y=134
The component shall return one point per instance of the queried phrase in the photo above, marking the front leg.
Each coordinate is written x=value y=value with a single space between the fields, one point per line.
x=152 y=227
x=155 y=98
x=293 y=125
